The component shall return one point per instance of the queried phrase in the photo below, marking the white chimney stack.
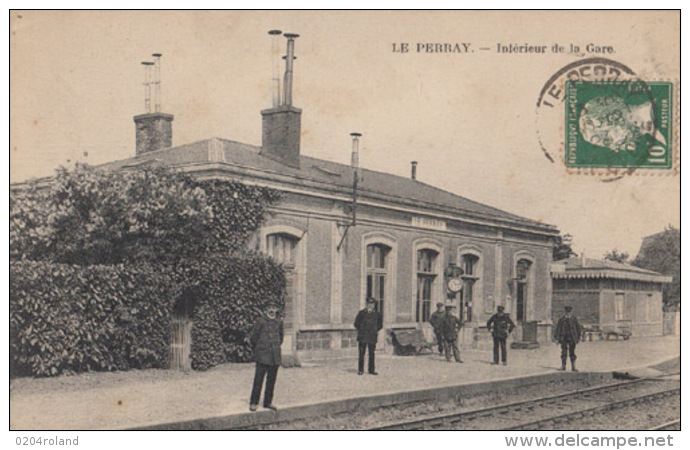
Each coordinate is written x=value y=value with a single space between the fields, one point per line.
x=355 y=150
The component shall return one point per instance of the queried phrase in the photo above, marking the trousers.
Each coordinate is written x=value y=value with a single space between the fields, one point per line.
x=259 y=374
x=568 y=347
x=439 y=339
x=451 y=345
x=372 y=351
x=500 y=344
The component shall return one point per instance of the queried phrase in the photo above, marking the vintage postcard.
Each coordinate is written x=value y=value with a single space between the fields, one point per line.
x=347 y=220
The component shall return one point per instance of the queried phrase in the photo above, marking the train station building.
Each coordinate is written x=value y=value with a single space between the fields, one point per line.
x=345 y=233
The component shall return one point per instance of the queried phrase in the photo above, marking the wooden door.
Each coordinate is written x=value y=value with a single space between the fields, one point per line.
x=181 y=344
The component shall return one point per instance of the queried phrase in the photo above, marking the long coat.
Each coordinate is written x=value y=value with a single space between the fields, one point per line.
x=450 y=325
x=567 y=330
x=266 y=337
x=436 y=319
x=368 y=325
x=502 y=325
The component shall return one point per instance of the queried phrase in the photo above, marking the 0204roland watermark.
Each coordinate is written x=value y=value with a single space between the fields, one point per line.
x=52 y=441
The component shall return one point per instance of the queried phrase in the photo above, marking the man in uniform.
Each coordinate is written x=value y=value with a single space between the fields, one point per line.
x=450 y=325
x=368 y=323
x=567 y=334
x=500 y=327
x=435 y=321
x=265 y=338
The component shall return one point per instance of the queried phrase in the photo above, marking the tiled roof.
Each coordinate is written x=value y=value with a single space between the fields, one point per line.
x=326 y=175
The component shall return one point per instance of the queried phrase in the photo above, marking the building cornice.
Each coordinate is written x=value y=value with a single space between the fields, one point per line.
x=284 y=183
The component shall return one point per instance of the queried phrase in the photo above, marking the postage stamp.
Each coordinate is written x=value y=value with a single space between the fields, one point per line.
x=619 y=125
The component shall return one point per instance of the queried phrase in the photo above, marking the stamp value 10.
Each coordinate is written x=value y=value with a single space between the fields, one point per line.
x=618 y=125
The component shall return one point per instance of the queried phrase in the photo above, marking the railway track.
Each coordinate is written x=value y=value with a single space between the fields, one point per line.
x=548 y=412
x=670 y=426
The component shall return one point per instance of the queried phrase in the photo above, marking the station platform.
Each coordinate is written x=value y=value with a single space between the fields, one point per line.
x=218 y=398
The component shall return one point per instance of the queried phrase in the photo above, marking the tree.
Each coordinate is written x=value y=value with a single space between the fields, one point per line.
x=616 y=256
x=562 y=247
x=91 y=216
x=661 y=253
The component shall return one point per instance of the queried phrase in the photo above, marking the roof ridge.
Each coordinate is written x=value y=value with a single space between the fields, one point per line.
x=513 y=216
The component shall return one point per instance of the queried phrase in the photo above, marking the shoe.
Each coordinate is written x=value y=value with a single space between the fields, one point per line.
x=460 y=361
x=271 y=407
x=575 y=370
x=252 y=408
x=494 y=363
x=373 y=373
x=360 y=373
x=505 y=363
x=562 y=369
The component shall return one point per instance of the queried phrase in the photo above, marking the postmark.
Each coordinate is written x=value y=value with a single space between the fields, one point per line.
x=618 y=125
x=551 y=115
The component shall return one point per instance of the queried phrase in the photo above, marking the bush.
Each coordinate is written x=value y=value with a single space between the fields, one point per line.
x=71 y=319
x=67 y=319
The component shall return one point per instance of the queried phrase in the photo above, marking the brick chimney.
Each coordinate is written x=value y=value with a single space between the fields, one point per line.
x=281 y=124
x=154 y=132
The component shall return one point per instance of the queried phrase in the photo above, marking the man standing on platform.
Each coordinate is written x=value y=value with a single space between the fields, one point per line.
x=567 y=334
x=435 y=321
x=450 y=326
x=266 y=337
x=368 y=323
x=500 y=327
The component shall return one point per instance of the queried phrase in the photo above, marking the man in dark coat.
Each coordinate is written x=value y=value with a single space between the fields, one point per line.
x=435 y=321
x=368 y=323
x=265 y=338
x=567 y=334
x=450 y=325
x=500 y=327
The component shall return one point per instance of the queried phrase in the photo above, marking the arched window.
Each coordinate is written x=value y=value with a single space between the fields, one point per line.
x=281 y=247
x=377 y=273
x=426 y=277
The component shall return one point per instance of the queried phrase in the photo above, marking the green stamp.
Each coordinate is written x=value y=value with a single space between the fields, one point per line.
x=618 y=125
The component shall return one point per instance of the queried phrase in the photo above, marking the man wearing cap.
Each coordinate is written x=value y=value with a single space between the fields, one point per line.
x=265 y=338
x=368 y=323
x=567 y=334
x=450 y=326
x=435 y=321
x=500 y=327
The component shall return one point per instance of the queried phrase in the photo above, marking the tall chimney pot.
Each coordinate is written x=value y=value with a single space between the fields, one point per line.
x=275 y=69
x=414 y=169
x=289 y=63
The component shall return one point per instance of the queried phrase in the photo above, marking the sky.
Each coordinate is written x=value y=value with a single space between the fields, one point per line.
x=469 y=119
